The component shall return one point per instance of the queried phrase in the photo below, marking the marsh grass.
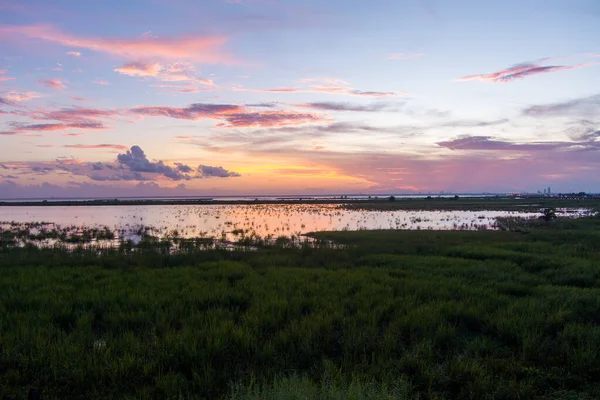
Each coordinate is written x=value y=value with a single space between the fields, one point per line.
x=301 y=388
x=393 y=314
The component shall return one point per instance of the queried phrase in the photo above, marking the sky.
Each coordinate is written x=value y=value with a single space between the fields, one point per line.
x=259 y=97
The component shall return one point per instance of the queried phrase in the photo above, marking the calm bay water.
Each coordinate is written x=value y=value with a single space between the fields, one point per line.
x=233 y=221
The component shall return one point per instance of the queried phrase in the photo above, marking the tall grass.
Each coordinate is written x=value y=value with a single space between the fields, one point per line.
x=394 y=314
x=301 y=388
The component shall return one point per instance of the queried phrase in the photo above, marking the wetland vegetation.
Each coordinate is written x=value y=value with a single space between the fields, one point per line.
x=235 y=222
x=506 y=314
x=433 y=202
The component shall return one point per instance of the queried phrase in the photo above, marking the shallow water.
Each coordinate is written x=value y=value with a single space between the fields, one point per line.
x=231 y=222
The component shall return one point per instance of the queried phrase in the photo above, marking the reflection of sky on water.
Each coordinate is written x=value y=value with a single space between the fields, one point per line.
x=261 y=219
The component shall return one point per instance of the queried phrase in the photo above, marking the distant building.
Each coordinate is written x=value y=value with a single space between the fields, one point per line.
x=544 y=191
x=549 y=190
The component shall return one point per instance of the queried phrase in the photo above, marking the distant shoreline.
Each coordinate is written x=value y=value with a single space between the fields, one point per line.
x=432 y=202
x=165 y=202
x=353 y=196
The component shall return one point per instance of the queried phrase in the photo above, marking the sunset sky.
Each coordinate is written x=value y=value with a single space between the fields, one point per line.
x=257 y=97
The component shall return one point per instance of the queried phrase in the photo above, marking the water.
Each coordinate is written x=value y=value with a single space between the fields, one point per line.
x=232 y=222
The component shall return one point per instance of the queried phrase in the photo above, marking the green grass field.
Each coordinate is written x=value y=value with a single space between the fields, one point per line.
x=394 y=314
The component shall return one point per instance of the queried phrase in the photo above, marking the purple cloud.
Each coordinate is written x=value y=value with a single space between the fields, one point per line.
x=582 y=107
x=208 y=171
x=136 y=161
x=183 y=168
x=52 y=83
x=520 y=71
x=19 y=128
x=338 y=106
x=133 y=165
x=232 y=115
x=96 y=146
x=489 y=143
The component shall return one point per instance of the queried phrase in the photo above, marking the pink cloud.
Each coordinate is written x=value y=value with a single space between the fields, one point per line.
x=52 y=83
x=180 y=72
x=67 y=115
x=232 y=115
x=17 y=97
x=520 y=71
x=193 y=112
x=387 y=170
x=202 y=49
x=324 y=85
x=101 y=82
x=18 y=128
x=460 y=172
x=269 y=119
x=6 y=78
x=176 y=72
x=69 y=118
x=96 y=146
x=140 y=69
x=74 y=114
x=74 y=53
